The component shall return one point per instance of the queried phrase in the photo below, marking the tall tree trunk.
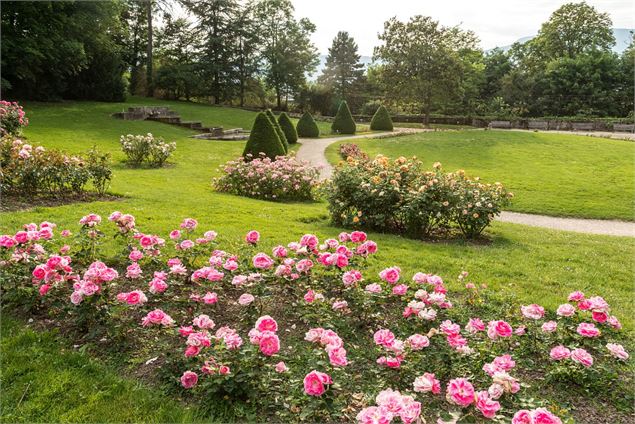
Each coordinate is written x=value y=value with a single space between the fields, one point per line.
x=149 y=70
x=278 y=97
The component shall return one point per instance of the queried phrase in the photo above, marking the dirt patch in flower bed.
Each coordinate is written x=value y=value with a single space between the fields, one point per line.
x=12 y=203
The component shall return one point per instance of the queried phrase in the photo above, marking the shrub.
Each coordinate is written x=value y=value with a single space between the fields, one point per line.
x=343 y=122
x=287 y=127
x=351 y=150
x=30 y=171
x=311 y=326
x=307 y=127
x=400 y=196
x=381 y=120
x=276 y=126
x=146 y=148
x=12 y=118
x=263 y=139
x=285 y=178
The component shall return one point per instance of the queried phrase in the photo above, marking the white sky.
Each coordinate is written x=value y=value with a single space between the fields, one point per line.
x=496 y=22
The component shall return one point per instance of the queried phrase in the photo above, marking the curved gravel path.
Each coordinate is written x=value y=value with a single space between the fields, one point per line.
x=312 y=150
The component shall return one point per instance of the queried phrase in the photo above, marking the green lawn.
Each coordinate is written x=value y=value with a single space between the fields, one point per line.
x=534 y=265
x=551 y=174
x=43 y=381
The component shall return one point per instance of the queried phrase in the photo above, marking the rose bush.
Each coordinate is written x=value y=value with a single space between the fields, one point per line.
x=146 y=148
x=12 y=118
x=28 y=170
x=400 y=196
x=306 y=331
x=286 y=178
x=347 y=150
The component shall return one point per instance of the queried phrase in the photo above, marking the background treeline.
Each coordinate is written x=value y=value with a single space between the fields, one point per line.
x=257 y=53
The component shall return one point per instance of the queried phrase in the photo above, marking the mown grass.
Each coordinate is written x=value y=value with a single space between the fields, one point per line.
x=551 y=174
x=533 y=265
x=43 y=381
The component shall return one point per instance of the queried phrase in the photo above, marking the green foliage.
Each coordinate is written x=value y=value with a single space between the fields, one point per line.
x=343 y=73
x=263 y=139
x=146 y=148
x=287 y=127
x=343 y=122
x=381 y=120
x=276 y=126
x=53 y=50
x=307 y=127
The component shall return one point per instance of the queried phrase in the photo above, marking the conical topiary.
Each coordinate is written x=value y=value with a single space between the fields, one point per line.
x=263 y=139
x=381 y=120
x=287 y=128
x=343 y=122
x=276 y=126
x=307 y=127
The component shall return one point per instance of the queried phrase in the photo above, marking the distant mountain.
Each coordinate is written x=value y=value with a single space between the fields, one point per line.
x=622 y=40
x=366 y=60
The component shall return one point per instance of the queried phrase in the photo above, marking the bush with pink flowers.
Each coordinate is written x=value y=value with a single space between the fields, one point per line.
x=12 y=118
x=400 y=196
x=307 y=331
x=285 y=178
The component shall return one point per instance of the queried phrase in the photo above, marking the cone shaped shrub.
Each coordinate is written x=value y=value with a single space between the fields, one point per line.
x=287 y=128
x=307 y=127
x=263 y=139
x=343 y=122
x=276 y=126
x=381 y=120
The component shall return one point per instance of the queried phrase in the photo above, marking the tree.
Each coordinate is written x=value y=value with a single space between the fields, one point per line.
x=307 y=127
x=381 y=120
x=216 y=25
x=247 y=50
x=573 y=29
x=286 y=49
x=342 y=72
x=343 y=122
x=497 y=65
x=135 y=38
x=263 y=139
x=279 y=131
x=52 y=50
x=421 y=61
x=151 y=7
x=287 y=127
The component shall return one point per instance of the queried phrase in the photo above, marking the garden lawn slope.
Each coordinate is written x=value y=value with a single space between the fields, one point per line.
x=550 y=174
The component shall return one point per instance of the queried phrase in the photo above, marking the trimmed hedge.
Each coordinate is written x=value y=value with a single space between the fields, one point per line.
x=281 y=136
x=381 y=120
x=343 y=122
x=263 y=139
x=287 y=128
x=307 y=127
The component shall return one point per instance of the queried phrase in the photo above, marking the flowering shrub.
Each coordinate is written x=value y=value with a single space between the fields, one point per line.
x=306 y=331
x=285 y=178
x=12 y=118
x=146 y=148
x=27 y=170
x=400 y=196
x=351 y=150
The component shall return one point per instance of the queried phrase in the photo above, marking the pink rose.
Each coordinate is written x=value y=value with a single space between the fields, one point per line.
x=384 y=338
x=559 y=352
x=374 y=415
x=460 y=392
x=281 y=367
x=391 y=400
x=549 y=327
x=339 y=304
x=390 y=275
x=565 y=310
x=617 y=350
x=262 y=261
x=427 y=383
x=245 y=299
x=522 y=417
x=224 y=370
x=576 y=296
x=266 y=323
x=210 y=298
x=252 y=237
x=498 y=329
x=533 y=311
x=418 y=342
x=351 y=277
x=400 y=289
x=486 y=405
x=269 y=343
x=543 y=416
x=189 y=379
x=337 y=357
x=358 y=237
x=581 y=356
x=588 y=329
x=373 y=288
x=475 y=325
x=314 y=383
x=175 y=234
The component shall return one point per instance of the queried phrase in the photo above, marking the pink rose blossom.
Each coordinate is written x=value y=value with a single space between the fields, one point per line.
x=460 y=392
x=427 y=383
x=418 y=342
x=390 y=275
x=269 y=343
x=266 y=323
x=497 y=329
x=314 y=383
x=252 y=237
x=565 y=310
x=549 y=327
x=588 y=329
x=576 y=296
x=581 y=356
x=533 y=311
x=281 y=367
x=618 y=351
x=384 y=338
x=559 y=352
x=374 y=415
x=262 y=261
x=189 y=379
x=245 y=299
x=486 y=405
x=373 y=288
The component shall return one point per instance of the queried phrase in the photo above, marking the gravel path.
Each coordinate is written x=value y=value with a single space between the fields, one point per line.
x=313 y=149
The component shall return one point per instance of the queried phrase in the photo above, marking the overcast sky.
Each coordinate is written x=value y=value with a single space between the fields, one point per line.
x=496 y=22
